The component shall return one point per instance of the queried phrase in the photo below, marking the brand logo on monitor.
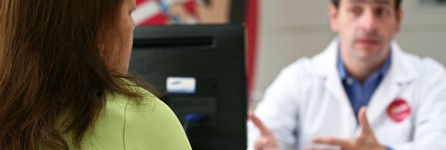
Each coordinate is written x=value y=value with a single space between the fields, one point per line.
x=181 y=85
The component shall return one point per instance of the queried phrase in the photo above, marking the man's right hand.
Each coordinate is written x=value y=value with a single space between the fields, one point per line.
x=266 y=141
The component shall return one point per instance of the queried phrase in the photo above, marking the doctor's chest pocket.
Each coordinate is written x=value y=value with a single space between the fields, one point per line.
x=395 y=132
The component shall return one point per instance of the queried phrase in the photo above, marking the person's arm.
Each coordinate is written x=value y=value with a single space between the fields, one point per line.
x=153 y=125
x=278 y=110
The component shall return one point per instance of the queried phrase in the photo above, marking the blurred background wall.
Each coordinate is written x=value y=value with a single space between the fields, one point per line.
x=291 y=29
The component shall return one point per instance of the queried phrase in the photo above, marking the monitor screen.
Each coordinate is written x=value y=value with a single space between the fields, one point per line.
x=199 y=71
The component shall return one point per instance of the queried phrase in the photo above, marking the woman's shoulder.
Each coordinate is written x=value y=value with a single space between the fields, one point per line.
x=148 y=123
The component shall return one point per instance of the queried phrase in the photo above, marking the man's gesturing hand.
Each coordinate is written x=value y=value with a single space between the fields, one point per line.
x=365 y=141
x=266 y=141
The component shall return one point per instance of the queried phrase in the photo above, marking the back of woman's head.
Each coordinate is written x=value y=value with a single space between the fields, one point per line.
x=51 y=64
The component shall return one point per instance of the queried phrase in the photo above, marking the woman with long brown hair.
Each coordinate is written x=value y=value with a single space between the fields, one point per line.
x=63 y=84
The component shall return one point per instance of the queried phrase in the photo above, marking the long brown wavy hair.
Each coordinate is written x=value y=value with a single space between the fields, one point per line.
x=53 y=76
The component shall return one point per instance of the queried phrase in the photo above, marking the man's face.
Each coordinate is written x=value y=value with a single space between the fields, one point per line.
x=365 y=27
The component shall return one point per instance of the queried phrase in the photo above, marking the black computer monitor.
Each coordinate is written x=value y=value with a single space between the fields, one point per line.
x=200 y=72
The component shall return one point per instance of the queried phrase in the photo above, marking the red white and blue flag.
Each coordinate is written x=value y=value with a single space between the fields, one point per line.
x=157 y=12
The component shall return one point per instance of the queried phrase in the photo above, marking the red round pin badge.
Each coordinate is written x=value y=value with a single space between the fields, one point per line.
x=399 y=110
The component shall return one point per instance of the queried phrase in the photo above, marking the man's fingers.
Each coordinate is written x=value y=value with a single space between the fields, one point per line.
x=312 y=148
x=258 y=123
x=321 y=147
x=363 y=121
x=260 y=143
x=344 y=143
x=266 y=139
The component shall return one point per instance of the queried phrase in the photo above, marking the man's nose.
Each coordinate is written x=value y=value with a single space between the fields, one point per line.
x=369 y=22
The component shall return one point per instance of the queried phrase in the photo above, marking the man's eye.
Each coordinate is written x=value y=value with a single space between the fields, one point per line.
x=355 y=10
x=382 y=12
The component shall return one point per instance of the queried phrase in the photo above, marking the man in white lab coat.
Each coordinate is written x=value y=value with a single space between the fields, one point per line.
x=362 y=92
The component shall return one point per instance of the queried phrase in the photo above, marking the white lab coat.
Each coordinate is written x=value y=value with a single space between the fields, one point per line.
x=308 y=99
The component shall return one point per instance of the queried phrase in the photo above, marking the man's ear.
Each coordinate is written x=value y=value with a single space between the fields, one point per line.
x=333 y=16
x=399 y=19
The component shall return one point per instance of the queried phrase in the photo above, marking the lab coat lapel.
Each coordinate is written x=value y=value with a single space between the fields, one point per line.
x=326 y=69
x=387 y=91
x=334 y=86
x=399 y=73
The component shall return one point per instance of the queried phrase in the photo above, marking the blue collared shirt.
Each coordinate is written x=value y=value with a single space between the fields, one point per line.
x=359 y=94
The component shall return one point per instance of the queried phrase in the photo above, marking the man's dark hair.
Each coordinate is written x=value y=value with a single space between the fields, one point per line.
x=397 y=4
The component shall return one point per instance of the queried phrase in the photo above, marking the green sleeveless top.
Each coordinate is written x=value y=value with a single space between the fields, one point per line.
x=124 y=125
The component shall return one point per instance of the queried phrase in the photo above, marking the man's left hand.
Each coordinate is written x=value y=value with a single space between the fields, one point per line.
x=365 y=141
